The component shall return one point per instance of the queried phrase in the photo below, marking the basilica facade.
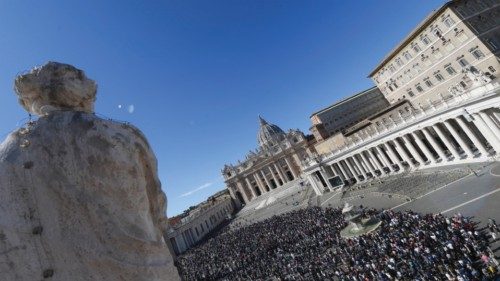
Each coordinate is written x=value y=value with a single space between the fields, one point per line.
x=276 y=162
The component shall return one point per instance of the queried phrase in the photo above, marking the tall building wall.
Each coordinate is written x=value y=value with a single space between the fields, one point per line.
x=433 y=57
x=347 y=112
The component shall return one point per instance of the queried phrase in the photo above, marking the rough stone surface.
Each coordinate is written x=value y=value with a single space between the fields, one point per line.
x=55 y=86
x=81 y=200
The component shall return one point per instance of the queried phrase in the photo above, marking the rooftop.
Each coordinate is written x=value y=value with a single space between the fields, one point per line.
x=345 y=100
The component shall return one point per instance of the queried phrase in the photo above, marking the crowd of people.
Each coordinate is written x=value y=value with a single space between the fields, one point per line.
x=306 y=245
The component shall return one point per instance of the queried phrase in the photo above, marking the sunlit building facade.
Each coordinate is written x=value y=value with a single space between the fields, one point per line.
x=276 y=162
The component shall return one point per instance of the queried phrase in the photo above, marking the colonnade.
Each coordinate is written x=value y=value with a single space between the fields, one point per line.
x=452 y=140
x=263 y=180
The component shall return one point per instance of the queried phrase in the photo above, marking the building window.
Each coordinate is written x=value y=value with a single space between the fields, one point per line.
x=448 y=45
x=428 y=82
x=417 y=68
x=426 y=60
x=450 y=69
x=425 y=40
x=407 y=55
x=493 y=44
x=448 y=21
x=460 y=34
x=463 y=62
x=392 y=69
x=416 y=47
x=436 y=53
x=492 y=69
x=476 y=53
x=438 y=76
x=437 y=32
x=399 y=62
x=419 y=88
x=408 y=74
x=410 y=93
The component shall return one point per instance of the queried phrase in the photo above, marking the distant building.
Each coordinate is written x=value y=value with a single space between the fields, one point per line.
x=347 y=112
x=429 y=64
x=191 y=227
x=381 y=119
x=436 y=103
x=443 y=86
x=274 y=163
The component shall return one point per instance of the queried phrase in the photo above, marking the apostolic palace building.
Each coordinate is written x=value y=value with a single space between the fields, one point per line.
x=436 y=102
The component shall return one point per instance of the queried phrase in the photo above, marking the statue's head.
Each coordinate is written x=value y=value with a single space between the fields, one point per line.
x=55 y=86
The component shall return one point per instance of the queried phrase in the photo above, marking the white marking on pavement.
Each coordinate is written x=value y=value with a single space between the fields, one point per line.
x=493 y=174
x=322 y=203
x=432 y=191
x=470 y=201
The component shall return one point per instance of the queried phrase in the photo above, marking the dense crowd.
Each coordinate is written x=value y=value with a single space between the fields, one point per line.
x=306 y=245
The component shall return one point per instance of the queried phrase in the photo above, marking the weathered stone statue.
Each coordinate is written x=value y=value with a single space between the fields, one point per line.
x=79 y=196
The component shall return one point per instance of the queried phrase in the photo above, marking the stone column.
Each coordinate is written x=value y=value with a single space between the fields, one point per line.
x=336 y=172
x=371 y=159
x=434 y=144
x=446 y=141
x=249 y=184
x=266 y=180
x=384 y=158
x=360 y=167
x=491 y=125
x=358 y=170
x=487 y=133
x=260 y=185
x=346 y=169
x=392 y=155
x=333 y=170
x=280 y=172
x=314 y=185
x=324 y=174
x=413 y=150
x=403 y=154
x=423 y=147
x=496 y=115
x=470 y=134
x=458 y=138
x=352 y=169
x=343 y=174
x=274 y=176
x=241 y=189
x=372 y=155
x=231 y=192
x=367 y=163
x=291 y=168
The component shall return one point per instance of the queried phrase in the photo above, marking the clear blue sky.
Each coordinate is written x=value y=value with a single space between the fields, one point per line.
x=199 y=72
